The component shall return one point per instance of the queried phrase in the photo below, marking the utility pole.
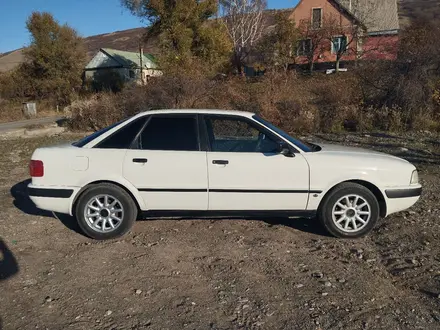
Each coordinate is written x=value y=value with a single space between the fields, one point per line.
x=141 y=56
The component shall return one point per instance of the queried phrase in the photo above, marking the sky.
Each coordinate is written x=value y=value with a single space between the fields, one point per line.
x=88 y=17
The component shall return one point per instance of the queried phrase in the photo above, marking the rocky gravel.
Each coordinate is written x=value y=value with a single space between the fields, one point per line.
x=268 y=273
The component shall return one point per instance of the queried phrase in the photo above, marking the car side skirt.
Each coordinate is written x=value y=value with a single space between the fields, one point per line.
x=231 y=213
x=250 y=191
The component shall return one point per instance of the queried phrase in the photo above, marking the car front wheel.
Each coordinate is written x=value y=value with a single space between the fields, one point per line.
x=105 y=211
x=349 y=210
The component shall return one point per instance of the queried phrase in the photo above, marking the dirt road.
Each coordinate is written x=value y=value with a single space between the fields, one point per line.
x=220 y=273
x=4 y=127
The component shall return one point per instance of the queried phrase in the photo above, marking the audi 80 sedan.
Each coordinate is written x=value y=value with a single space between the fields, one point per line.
x=215 y=162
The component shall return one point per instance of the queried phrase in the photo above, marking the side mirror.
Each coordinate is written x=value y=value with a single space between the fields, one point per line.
x=285 y=150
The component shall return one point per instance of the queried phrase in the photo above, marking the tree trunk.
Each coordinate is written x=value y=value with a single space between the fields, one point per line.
x=237 y=63
x=338 y=62
x=311 y=66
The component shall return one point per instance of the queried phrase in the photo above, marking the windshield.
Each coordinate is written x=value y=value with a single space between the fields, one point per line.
x=304 y=146
x=91 y=137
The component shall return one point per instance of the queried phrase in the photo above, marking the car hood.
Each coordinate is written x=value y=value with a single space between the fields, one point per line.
x=354 y=151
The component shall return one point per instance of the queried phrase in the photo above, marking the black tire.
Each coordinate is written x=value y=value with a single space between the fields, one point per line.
x=326 y=208
x=127 y=202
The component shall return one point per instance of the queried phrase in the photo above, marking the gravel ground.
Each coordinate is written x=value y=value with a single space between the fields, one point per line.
x=221 y=273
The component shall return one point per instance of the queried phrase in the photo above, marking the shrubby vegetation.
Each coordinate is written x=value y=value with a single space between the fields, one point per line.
x=297 y=103
x=53 y=67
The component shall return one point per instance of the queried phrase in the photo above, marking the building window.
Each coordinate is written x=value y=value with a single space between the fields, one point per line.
x=317 y=18
x=339 y=44
x=304 y=47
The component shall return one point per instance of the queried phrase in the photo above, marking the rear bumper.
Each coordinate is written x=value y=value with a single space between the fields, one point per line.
x=50 y=192
x=402 y=198
x=55 y=199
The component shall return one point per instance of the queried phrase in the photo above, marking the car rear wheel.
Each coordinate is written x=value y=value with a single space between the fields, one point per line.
x=105 y=211
x=349 y=211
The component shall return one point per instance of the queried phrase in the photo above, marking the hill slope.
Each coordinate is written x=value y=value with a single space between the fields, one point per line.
x=123 y=40
x=10 y=60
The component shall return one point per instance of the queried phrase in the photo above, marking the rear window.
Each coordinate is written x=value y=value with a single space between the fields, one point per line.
x=123 y=137
x=81 y=143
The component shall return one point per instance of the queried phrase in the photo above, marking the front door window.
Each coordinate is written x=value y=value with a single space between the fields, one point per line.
x=237 y=135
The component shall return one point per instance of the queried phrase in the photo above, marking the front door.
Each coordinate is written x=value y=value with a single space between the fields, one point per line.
x=167 y=166
x=247 y=172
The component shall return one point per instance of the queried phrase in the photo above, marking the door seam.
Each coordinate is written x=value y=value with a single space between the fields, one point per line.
x=207 y=179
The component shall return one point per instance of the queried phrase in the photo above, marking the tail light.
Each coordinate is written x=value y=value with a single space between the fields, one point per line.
x=36 y=168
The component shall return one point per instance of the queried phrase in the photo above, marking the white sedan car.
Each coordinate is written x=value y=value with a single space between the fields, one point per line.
x=213 y=162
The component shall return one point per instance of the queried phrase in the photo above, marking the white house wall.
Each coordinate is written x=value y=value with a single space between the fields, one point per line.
x=152 y=73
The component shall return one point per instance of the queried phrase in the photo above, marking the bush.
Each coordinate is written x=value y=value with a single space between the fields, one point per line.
x=406 y=90
x=295 y=103
x=9 y=110
x=99 y=111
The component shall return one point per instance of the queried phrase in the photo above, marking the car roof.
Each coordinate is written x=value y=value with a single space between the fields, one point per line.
x=198 y=111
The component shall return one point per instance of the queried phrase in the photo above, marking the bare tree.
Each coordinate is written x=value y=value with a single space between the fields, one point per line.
x=312 y=43
x=347 y=37
x=244 y=21
x=344 y=39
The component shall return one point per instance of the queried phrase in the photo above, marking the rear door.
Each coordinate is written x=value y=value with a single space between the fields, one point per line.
x=167 y=166
x=246 y=170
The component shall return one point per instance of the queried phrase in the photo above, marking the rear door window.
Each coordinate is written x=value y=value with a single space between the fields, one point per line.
x=178 y=133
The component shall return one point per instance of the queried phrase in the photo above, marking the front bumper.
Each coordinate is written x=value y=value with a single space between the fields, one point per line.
x=400 y=199
x=55 y=199
x=404 y=193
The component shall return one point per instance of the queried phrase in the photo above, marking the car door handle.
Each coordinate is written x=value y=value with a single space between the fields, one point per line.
x=140 y=160
x=220 y=162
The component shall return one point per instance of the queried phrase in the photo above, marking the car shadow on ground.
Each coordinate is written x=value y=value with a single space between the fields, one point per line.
x=24 y=204
x=311 y=226
x=306 y=225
